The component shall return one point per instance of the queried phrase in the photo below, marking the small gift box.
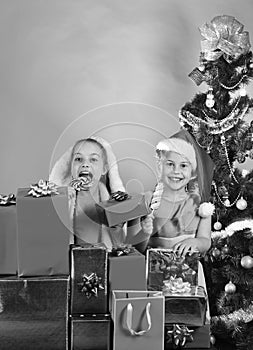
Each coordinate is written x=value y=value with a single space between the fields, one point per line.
x=184 y=304
x=34 y=313
x=126 y=269
x=113 y=212
x=43 y=232
x=161 y=264
x=90 y=332
x=8 y=235
x=89 y=264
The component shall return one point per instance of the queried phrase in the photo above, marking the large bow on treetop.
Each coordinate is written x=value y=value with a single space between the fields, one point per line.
x=223 y=36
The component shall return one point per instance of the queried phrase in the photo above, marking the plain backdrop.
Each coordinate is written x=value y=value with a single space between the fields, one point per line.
x=118 y=69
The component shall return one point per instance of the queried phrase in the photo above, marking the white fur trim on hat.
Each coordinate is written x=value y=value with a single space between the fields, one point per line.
x=179 y=146
x=61 y=172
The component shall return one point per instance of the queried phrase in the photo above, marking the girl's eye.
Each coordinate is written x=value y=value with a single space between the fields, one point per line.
x=78 y=159
x=169 y=164
x=184 y=165
x=93 y=159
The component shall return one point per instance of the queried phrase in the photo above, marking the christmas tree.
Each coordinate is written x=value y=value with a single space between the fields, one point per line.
x=219 y=119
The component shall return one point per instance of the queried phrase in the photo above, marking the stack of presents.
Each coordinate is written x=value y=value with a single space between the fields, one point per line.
x=54 y=295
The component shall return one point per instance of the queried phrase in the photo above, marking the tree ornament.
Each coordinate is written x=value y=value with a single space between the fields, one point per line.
x=210 y=98
x=217 y=225
x=241 y=204
x=247 y=262
x=216 y=252
x=212 y=339
x=241 y=157
x=243 y=91
x=225 y=249
x=230 y=288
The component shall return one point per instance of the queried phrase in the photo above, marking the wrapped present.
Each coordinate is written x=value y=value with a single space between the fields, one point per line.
x=114 y=212
x=161 y=264
x=186 y=337
x=188 y=305
x=43 y=228
x=89 y=290
x=34 y=313
x=8 y=235
x=90 y=332
x=126 y=269
x=138 y=319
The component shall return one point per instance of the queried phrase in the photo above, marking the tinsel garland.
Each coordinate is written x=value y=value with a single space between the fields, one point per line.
x=233 y=319
x=234 y=227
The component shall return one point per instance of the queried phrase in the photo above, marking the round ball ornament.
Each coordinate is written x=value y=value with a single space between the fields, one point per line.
x=247 y=262
x=241 y=204
x=225 y=249
x=230 y=288
x=212 y=339
x=216 y=252
x=243 y=91
x=217 y=226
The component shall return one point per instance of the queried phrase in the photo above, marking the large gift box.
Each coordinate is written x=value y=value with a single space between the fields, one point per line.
x=89 y=290
x=34 y=313
x=138 y=318
x=162 y=264
x=91 y=332
x=8 y=240
x=43 y=230
x=114 y=212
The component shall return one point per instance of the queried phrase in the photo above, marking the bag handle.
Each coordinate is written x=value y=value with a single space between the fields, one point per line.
x=129 y=320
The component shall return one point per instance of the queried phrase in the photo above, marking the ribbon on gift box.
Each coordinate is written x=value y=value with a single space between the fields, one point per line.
x=179 y=335
x=176 y=286
x=91 y=284
x=124 y=249
x=43 y=188
x=6 y=200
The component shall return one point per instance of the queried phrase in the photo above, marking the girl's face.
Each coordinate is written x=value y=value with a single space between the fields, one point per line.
x=176 y=171
x=88 y=161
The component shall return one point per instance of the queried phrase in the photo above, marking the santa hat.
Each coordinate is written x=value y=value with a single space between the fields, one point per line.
x=61 y=172
x=184 y=143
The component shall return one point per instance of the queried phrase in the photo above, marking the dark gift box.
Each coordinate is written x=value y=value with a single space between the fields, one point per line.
x=34 y=313
x=126 y=270
x=91 y=332
x=8 y=240
x=89 y=264
x=113 y=213
x=189 y=308
x=186 y=337
x=162 y=264
x=43 y=234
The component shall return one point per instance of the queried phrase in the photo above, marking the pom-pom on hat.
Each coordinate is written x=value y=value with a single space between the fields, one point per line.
x=184 y=143
x=61 y=171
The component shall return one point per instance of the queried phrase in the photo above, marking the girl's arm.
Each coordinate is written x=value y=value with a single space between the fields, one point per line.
x=201 y=242
x=139 y=232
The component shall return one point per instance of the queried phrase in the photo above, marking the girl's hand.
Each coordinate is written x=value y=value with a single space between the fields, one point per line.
x=147 y=224
x=187 y=246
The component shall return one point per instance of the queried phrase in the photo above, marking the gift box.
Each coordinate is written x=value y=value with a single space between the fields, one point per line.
x=187 y=337
x=186 y=307
x=161 y=264
x=89 y=282
x=34 y=313
x=113 y=212
x=91 y=332
x=126 y=270
x=43 y=233
x=8 y=240
x=138 y=319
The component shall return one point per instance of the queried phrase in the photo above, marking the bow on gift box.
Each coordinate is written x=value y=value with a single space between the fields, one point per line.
x=7 y=200
x=123 y=249
x=176 y=286
x=224 y=36
x=43 y=188
x=91 y=284
x=179 y=335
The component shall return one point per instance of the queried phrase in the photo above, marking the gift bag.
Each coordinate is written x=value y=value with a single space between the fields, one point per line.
x=138 y=318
